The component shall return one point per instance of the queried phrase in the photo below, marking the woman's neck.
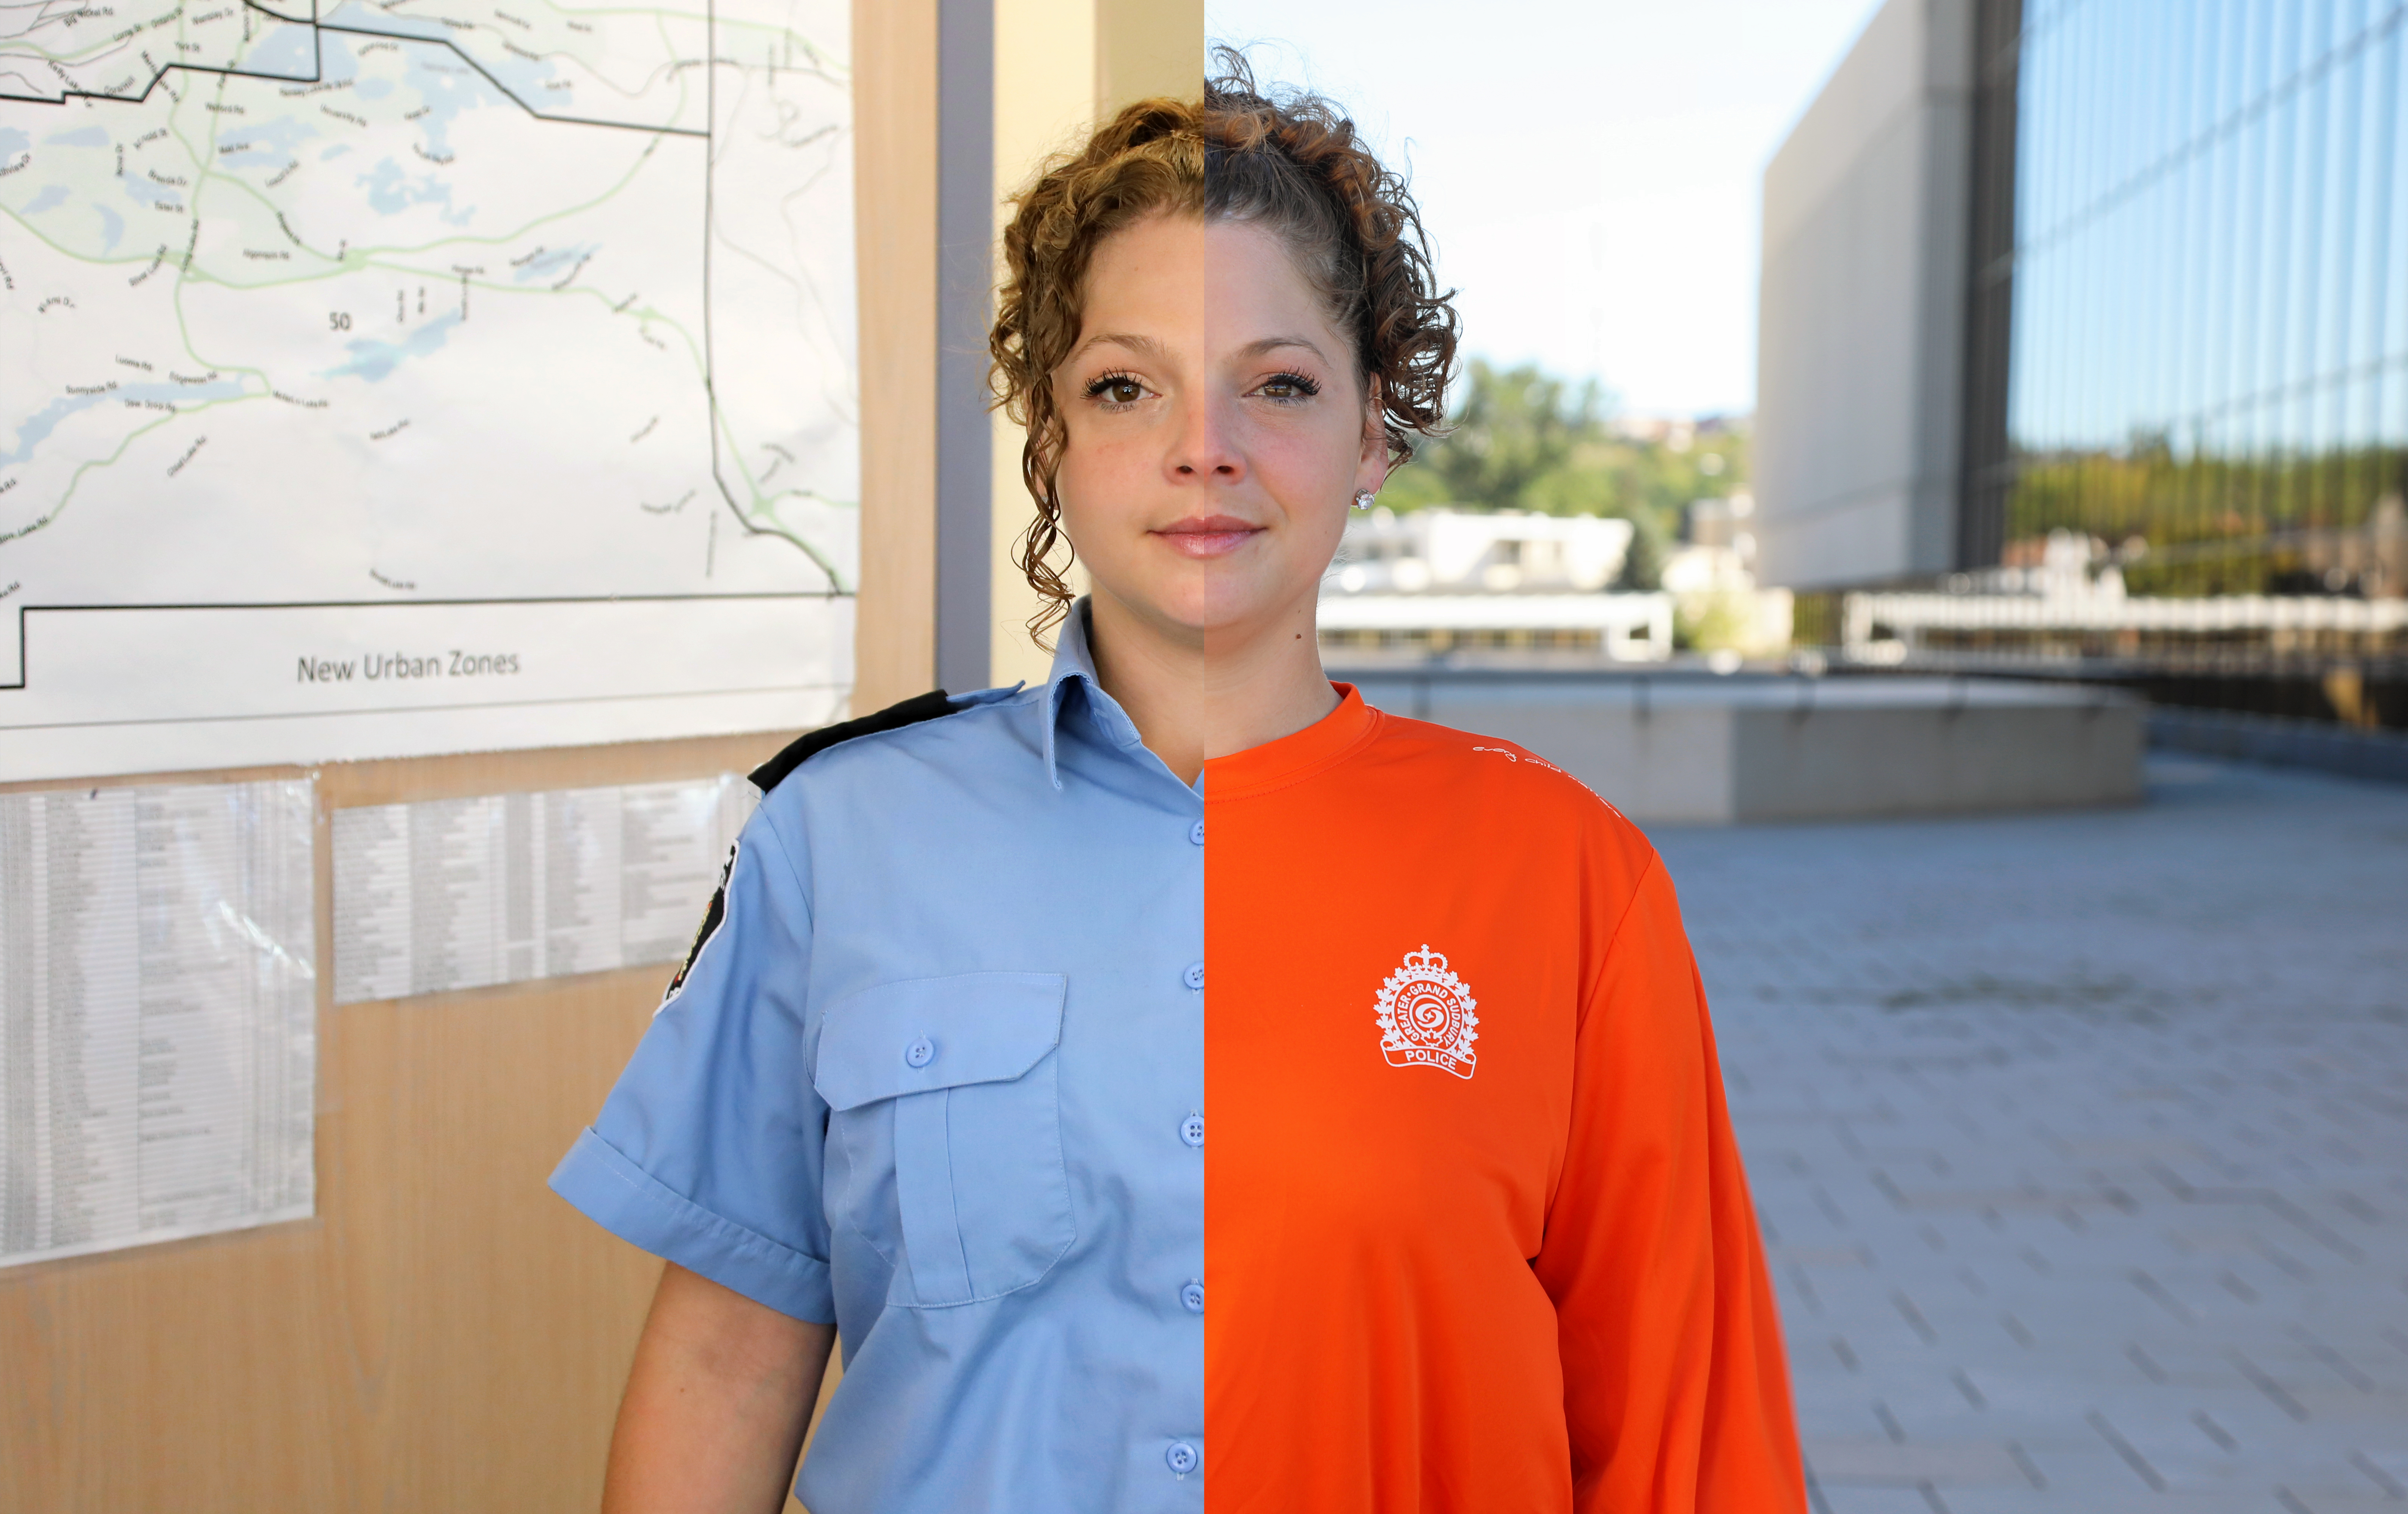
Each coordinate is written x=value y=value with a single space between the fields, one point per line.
x=1198 y=695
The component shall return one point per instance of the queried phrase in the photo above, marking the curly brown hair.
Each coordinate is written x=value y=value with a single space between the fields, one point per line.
x=1287 y=161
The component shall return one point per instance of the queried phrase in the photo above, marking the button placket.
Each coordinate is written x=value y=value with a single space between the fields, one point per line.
x=1182 y=1456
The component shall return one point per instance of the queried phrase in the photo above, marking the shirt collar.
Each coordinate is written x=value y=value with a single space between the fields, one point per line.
x=1293 y=758
x=1073 y=661
x=1325 y=743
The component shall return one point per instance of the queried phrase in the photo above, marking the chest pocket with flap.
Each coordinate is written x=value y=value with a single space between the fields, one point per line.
x=947 y=1088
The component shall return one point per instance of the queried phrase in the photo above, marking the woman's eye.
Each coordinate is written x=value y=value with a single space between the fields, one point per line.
x=1116 y=389
x=1288 y=386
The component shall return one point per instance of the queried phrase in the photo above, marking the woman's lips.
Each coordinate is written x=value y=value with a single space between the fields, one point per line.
x=1209 y=535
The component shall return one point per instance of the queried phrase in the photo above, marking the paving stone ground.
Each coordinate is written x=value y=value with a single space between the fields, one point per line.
x=2081 y=1143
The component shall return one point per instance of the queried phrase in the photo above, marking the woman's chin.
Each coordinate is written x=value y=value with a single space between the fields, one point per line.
x=1224 y=607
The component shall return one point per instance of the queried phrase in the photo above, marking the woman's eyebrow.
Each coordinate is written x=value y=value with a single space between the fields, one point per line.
x=1144 y=345
x=1148 y=347
x=1272 y=344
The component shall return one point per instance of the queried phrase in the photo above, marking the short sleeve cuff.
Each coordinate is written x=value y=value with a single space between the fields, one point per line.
x=633 y=1204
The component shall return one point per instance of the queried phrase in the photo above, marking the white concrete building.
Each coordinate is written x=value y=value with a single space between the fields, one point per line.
x=1437 y=580
x=1625 y=628
x=1860 y=342
x=1502 y=552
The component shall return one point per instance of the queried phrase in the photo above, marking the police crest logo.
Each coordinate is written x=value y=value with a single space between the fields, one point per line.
x=1426 y=1015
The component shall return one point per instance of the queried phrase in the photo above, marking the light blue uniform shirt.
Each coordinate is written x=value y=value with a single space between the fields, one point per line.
x=937 y=1076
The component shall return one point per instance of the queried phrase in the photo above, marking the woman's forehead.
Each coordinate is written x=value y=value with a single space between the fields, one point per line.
x=1173 y=282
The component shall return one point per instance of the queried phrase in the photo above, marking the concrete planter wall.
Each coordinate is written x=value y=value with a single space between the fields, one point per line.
x=1718 y=751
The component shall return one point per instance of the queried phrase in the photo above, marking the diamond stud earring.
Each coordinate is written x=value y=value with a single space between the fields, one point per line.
x=1363 y=498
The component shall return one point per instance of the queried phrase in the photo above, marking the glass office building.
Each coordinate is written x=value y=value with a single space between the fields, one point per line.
x=2186 y=335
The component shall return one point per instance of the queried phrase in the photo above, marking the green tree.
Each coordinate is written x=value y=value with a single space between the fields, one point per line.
x=1643 y=564
x=1522 y=439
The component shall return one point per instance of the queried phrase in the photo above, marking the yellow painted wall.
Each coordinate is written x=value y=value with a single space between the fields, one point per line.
x=1061 y=66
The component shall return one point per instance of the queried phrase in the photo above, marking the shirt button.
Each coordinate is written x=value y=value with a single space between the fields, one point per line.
x=1182 y=1458
x=1195 y=975
x=1195 y=833
x=920 y=1053
x=1190 y=1130
x=1192 y=1298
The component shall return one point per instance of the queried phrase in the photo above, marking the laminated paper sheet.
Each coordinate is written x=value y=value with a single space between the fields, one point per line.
x=158 y=1037
x=461 y=893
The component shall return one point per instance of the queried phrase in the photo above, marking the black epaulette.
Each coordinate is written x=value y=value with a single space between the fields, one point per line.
x=912 y=711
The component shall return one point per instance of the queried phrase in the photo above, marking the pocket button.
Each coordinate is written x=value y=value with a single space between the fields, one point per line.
x=920 y=1053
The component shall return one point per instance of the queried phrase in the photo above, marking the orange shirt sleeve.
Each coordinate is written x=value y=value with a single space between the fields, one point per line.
x=1675 y=1388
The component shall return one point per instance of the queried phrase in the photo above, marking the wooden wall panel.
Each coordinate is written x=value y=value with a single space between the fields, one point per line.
x=446 y=1336
x=895 y=162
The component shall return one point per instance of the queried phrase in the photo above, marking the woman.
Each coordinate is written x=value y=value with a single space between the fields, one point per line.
x=1473 y=1228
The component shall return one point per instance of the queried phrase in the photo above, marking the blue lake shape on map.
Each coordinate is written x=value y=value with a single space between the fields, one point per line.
x=390 y=192
x=447 y=87
x=555 y=261
x=35 y=429
x=286 y=133
x=53 y=195
x=80 y=137
x=338 y=56
x=405 y=26
x=12 y=141
x=290 y=52
x=112 y=225
x=520 y=77
x=525 y=77
x=268 y=144
x=374 y=360
x=140 y=187
x=436 y=75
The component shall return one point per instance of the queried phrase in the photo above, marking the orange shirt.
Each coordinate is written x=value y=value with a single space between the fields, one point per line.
x=1476 y=1234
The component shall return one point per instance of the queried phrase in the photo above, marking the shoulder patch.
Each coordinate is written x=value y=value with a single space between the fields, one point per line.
x=912 y=711
x=713 y=917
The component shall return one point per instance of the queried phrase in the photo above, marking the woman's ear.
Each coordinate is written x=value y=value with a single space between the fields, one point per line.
x=1371 y=471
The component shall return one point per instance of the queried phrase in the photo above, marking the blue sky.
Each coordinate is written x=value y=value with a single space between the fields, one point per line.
x=1589 y=168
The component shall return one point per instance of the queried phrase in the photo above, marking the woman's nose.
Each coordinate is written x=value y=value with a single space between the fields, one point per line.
x=1203 y=444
